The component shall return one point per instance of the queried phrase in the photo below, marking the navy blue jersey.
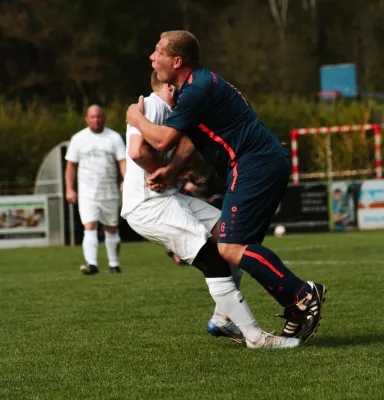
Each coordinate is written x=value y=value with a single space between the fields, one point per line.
x=221 y=124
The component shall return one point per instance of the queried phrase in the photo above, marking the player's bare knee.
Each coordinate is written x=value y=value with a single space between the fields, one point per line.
x=90 y=226
x=111 y=229
x=231 y=252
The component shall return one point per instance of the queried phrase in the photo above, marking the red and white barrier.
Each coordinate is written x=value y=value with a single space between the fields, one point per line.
x=331 y=129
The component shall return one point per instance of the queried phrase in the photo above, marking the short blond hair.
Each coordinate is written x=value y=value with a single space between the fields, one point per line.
x=155 y=83
x=184 y=45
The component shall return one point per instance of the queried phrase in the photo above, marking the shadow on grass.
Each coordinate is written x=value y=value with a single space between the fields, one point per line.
x=339 y=341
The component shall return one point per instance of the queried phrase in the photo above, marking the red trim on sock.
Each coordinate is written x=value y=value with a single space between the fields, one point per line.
x=265 y=262
x=297 y=296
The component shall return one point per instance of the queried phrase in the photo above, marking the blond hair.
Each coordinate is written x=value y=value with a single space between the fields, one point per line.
x=156 y=85
x=183 y=44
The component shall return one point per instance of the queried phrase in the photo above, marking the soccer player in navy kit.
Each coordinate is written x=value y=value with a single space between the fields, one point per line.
x=255 y=166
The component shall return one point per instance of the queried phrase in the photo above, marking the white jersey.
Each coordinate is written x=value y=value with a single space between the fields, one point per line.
x=135 y=189
x=96 y=155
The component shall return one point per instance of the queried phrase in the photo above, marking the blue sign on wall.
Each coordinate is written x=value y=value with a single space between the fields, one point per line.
x=340 y=78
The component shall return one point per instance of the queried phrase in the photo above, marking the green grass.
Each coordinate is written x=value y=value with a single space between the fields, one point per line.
x=141 y=334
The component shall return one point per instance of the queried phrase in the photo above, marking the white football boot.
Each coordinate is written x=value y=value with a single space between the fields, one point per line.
x=269 y=341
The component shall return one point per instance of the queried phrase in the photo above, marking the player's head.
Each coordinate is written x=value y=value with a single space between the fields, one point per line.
x=95 y=118
x=176 y=52
x=164 y=90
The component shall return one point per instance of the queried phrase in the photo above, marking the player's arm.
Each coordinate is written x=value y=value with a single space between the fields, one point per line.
x=123 y=167
x=70 y=176
x=160 y=137
x=143 y=155
x=181 y=155
x=120 y=155
x=188 y=113
x=169 y=174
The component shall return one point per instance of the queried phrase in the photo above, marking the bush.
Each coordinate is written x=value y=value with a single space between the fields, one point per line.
x=31 y=132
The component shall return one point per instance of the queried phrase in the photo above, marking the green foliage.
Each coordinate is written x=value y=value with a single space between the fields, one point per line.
x=350 y=151
x=28 y=134
x=31 y=132
x=62 y=49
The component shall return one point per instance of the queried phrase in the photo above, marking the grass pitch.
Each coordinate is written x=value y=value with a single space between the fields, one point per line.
x=141 y=334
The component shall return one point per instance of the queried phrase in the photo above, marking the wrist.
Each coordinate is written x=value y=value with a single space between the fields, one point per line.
x=171 y=169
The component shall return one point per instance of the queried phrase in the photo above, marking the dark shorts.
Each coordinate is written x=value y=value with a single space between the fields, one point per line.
x=251 y=200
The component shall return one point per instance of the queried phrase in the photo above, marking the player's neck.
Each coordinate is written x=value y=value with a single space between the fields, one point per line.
x=182 y=76
x=96 y=131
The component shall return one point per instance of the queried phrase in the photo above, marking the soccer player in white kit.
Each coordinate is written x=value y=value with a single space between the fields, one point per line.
x=93 y=153
x=185 y=225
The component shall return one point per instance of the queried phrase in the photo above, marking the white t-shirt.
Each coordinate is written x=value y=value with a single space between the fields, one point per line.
x=96 y=154
x=135 y=188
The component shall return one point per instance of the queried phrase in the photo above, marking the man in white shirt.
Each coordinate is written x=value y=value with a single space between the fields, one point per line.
x=93 y=153
x=187 y=226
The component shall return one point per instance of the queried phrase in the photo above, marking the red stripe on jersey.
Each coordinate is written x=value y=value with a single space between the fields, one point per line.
x=235 y=174
x=219 y=140
x=227 y=147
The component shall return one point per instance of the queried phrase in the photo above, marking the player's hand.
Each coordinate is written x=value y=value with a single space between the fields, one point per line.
x=140 y=103
x=164 y=175
x=156 y=187
x=155 y=183
x=134 y=112
x=71 y=196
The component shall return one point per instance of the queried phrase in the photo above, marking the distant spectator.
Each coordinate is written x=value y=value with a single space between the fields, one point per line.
x=339 y=219
x=188 y=184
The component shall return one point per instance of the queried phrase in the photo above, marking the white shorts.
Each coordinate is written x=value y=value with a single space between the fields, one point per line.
x=105 y=211
x=180 y=223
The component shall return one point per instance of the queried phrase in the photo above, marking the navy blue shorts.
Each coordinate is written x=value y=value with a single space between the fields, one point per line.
x=251 y=200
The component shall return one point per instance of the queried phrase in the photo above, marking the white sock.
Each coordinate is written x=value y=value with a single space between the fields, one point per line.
x=237 y=274
x=90 y=246
x=233 y=304
x=112 y=243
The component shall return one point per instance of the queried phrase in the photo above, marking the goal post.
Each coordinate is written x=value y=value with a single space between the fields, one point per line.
x=295 y=133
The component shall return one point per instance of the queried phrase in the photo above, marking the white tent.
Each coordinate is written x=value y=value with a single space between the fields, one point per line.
x=50 y=182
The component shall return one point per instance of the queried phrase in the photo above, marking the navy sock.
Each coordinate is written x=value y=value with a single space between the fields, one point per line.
x=267 y=268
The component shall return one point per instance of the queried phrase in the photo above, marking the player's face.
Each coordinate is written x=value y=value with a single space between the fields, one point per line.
x=162 y=63
x=95 y=119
